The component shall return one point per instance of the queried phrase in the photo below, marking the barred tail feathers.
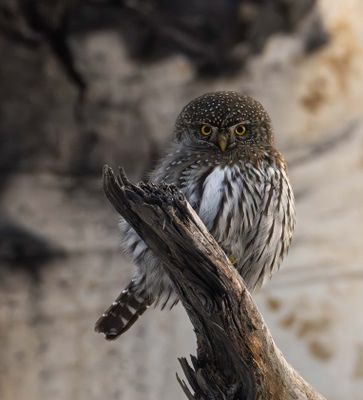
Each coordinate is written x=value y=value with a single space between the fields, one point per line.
x=123 y=313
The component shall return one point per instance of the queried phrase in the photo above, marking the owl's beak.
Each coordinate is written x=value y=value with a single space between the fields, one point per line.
x=222 y=142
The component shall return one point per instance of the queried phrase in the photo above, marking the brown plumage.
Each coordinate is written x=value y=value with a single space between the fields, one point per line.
x=224 y=160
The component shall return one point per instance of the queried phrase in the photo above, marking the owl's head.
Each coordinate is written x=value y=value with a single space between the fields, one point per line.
x=224 y=121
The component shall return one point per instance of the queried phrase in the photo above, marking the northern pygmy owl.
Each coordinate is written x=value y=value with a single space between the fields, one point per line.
x=224 y=160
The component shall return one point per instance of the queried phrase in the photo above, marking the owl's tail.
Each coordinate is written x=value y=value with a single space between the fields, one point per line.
x=123 y=313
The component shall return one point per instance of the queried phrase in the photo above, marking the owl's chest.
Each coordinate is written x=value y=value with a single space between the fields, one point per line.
x=220 y=197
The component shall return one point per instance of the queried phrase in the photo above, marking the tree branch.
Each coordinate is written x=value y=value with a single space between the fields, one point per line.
x=236 y=355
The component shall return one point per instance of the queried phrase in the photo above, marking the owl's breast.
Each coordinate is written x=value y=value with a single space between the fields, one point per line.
x=211 y=196
x=220 y=196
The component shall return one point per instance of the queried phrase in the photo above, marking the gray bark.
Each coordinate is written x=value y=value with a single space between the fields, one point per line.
x=236 y=355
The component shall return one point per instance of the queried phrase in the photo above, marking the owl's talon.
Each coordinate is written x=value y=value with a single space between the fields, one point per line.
x=232 y=260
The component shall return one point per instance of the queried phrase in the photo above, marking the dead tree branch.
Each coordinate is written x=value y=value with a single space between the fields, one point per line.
x=236 y=355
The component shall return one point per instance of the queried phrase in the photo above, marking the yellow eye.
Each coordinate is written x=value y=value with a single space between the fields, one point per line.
x=205 y=130
x=240 y=130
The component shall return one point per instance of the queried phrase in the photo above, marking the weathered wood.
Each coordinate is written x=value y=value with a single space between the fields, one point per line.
x=236 y=355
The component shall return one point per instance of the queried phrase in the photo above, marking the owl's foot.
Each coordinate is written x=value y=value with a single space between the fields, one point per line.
x=233 y=260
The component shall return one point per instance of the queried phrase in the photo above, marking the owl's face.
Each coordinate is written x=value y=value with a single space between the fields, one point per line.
x=224 y=121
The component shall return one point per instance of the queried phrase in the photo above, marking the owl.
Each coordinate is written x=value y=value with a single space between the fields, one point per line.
x=223 y=158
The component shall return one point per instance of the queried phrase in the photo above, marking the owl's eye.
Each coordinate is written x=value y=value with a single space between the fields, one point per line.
x=205 y=130
x=240 y=130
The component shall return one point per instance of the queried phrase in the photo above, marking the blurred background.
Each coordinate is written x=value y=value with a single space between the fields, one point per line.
x=89 y=82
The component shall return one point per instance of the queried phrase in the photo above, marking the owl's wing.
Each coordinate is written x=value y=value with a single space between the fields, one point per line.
x=267 y=242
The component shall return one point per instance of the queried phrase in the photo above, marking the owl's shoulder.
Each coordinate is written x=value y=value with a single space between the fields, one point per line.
x=175 y=160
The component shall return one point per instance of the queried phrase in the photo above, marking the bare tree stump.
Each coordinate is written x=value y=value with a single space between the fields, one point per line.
x=236 y=355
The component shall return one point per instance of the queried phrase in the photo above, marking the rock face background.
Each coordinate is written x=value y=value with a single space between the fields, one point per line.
x=89 y=82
